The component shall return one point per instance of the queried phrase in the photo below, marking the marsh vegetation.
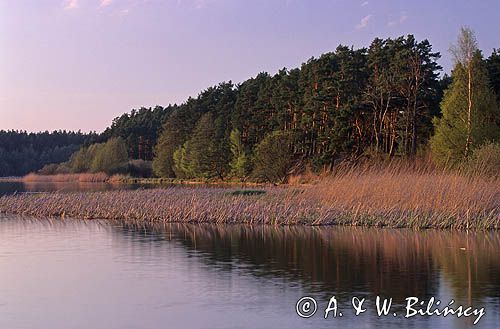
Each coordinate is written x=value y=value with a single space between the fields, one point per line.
x=390 y=197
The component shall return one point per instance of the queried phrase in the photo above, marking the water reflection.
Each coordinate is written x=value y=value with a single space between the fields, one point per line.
x=74 y=274
x=7 y=188
x=394 y=263
x=12 y=187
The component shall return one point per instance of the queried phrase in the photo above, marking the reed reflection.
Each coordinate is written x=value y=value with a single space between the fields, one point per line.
x=347 y=261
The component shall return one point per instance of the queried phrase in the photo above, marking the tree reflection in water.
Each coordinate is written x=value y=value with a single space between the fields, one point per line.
x=346 y=261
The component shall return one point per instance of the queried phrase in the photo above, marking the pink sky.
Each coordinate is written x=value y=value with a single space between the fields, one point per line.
x=77 y=64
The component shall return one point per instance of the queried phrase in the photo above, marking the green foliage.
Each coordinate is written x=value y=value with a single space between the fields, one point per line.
x=54 y=169
x=493 y=65
x=332 y=105
x=109 y=157
x=182 y=165
x=22 y=152
x=80 y=160
x=450 y=139
x=272 y=158
x=140 y=168
x=338 y=106
x=205 y=154
x=139 y=129
x=175 y=131
x=485 y=161
x=239 y=162
x=180 y=125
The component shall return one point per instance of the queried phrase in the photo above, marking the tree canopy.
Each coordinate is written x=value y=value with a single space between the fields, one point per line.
x=337 y=106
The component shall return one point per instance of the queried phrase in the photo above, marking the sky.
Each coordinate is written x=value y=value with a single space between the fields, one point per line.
x=77 y=64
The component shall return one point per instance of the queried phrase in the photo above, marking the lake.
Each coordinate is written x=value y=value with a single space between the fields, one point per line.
x=11 y=187
x=78 y=274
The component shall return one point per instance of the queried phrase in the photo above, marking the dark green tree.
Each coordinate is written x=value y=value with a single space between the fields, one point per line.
x=205 y=154
x=493 y=65
x=273 y=157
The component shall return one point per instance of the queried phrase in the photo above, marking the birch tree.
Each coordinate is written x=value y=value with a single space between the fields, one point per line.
x=463 y=52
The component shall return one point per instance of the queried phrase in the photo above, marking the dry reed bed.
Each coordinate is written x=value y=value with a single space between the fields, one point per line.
x=359 y=198
x=66 y=178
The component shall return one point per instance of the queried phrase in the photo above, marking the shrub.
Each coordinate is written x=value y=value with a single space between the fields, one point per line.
x=54 y=169
x=485 y=161
x=49 y=169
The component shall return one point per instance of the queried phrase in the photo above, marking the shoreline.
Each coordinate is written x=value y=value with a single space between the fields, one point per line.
x=126 y=180
x=397 y=197
x=11 y=179
x=277 y=206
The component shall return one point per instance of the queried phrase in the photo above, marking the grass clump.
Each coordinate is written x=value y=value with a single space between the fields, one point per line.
x=247 y=192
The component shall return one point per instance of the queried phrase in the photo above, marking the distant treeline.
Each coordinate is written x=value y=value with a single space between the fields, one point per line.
x=22 y=152
x=387 y=100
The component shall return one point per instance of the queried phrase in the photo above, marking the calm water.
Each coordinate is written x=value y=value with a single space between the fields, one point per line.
x=7 y=188
x=77 y=274
x=21 y=187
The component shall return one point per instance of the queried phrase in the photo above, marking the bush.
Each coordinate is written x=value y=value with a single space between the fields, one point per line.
x=49 y=169
x=54 y=169
x=485 y=161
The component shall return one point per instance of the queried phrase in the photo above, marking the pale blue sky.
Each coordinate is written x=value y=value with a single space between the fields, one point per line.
x=77 y=64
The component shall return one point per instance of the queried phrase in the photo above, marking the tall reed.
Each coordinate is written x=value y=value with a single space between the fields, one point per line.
x=63 y=178
x=363 y=196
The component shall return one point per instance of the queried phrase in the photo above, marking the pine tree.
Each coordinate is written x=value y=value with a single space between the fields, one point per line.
x=493 y=64
x=175 y=132
x=204 y=155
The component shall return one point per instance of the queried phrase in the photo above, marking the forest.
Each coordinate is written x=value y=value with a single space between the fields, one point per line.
x=22 y=152
x=389 y=100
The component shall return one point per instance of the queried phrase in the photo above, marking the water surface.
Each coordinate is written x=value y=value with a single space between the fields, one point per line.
x=12 y=187
x=77 y=274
